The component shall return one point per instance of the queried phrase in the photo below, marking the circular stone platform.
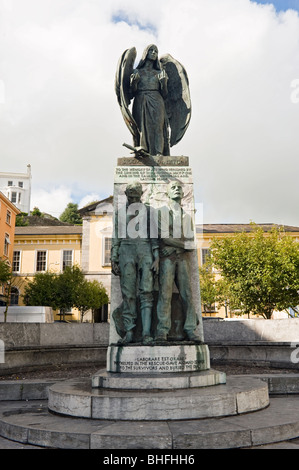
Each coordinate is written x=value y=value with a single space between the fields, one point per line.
x=77 y=398
x=129 y=381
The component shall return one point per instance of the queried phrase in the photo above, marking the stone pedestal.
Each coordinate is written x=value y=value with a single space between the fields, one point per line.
x=164 y=380
x=175 y=364
x=155 y=173
x=158 y=359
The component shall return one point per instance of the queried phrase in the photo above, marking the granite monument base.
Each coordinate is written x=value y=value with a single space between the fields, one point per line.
x=157 y=359
x=161 y=381
x=77 y=398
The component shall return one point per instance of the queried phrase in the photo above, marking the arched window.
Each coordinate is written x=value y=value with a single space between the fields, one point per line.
x=14 y=296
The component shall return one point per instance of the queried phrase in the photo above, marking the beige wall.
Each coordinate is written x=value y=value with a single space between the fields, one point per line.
x=95 y=229
x=54 y=245
x=88 y=250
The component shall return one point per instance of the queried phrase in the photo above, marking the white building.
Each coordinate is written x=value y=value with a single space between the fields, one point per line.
x=17 y=188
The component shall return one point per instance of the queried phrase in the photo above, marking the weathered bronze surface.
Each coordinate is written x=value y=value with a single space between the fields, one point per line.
x=159 y=89
x=135 y=260
x=174 y=266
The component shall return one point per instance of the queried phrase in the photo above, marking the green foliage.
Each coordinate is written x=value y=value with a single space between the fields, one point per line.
x=7 y=280
x=260 y=271
x=5 y=271
x=21 y=219
x=65 y=290
x=208 y=287
x=71 y=215
x=91 y=295
x=36 y=212
x=41 y=290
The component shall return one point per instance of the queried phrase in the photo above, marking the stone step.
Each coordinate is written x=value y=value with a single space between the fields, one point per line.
x=239 y=395
x=37 y=389
x=30 y=422
x=169 y=381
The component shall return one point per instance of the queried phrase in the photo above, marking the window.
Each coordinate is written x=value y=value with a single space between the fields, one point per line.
x=21 y=184
x=6 y=244
x=14 y=296
x=41 y=261
x=13 y=197
x=8 y=217
x=16 y=261
x=9 y=183
x=107 y=251
x=67 y=259
x=19 y=197
x=205 y=255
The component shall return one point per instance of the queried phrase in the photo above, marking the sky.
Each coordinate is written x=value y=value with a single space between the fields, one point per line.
x=59 y=113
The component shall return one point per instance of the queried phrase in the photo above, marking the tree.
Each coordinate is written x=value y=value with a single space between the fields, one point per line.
x=208 y=287
x=64 y=291
x=260 y=270
x=90 y=296
x=42 y=290
x=68 y=284
x=36 y=212
x=71 y=215
x=7 y=280
x=21 y=219
x=5 y=271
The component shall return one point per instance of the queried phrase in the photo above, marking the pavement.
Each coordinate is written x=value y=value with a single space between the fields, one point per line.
x=285 y=445
x=281 y=420
x=7 y=444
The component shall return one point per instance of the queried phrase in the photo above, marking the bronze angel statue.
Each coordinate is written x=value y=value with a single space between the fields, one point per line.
x=159 y=89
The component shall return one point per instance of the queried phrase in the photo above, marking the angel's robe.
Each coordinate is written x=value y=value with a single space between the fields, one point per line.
x=150 y=114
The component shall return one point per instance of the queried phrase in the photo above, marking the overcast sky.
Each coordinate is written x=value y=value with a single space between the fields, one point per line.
x=58 y=109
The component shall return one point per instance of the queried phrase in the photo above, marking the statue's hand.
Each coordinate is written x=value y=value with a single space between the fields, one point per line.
x=167 y=250
x=115 y=268
x=162 y=75
x=135 y=77
x=155 y=266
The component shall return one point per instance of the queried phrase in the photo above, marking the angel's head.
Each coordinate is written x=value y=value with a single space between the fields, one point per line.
x=150 y=53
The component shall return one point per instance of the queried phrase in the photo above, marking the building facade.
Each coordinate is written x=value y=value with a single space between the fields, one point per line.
x=38 y=249
x=8 y=213
x=17 y=188
x=44 y=248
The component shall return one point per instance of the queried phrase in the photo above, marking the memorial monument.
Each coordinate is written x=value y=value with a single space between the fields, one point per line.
x=155 y=297
x=158 y=365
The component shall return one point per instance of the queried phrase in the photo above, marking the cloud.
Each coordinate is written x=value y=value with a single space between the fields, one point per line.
x=52 y=201
x=88 y=199
x=58 y=61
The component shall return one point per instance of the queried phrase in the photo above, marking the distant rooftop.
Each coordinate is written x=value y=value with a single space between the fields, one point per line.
x=49 y=230
x=92 y=206
x=233 y=228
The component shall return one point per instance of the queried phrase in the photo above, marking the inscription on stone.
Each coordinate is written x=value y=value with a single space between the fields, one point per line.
x=152 y=174
x=163 y=363
x=158 y=359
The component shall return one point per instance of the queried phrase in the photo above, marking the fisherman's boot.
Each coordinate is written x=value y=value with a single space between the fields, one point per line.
x=146 y=317
x=128 y=338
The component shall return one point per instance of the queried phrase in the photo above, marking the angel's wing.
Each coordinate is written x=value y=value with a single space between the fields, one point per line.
x=122 y=88
x=178 y=101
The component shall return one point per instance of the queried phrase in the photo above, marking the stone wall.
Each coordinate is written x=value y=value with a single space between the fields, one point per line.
x=20 y=335
x=41 y=346
x=251 y=330
x=270 y=343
